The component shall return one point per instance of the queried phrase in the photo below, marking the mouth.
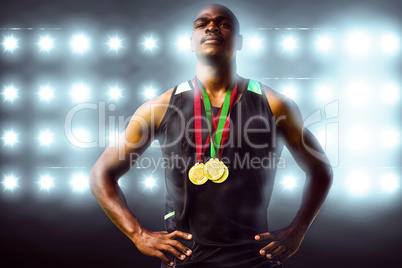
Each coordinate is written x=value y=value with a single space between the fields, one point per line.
x=212 y=40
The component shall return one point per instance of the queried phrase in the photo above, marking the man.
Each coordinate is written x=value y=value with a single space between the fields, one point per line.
x=222 y=125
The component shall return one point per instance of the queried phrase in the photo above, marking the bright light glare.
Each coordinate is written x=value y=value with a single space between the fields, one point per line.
x=289 y=44
x=10 y=43
x=46 y=182
x=390 y=93
x=149 y=92
x=149 y=183
x=79 y=92
x=290 y=92
x=10 y=182
x=114 y=93
x=358 y=138
x=390 y=44
x=183 y=43
x=390 y=138
x=359 y=93
x=80 y=136
x=46 y=43
x=323 y=92
x=324 y=44
x=113 y=138
x=389 y=182
x=79 y=182
x=289 y=183
x=149 y=43
x=358 y=183
x=10 y=138
x=80 y=44
x=115 y=43
x=10 y=93
x=254 y=43
x=358 y=43
x=46 y=138
x=46 y=93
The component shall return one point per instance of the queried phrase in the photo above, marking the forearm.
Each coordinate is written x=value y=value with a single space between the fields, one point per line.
x=106 y=190
x=316 y=188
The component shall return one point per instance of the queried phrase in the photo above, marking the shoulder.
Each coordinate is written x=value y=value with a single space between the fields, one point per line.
x=154 y=109
x=283 y=108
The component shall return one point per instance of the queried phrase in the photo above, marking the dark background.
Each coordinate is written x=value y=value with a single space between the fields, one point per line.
x=64 y=229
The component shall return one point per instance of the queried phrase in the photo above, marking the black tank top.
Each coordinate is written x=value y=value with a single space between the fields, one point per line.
x=222 y=217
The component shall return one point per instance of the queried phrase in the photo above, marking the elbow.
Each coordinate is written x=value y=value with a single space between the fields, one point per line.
x=95 y=179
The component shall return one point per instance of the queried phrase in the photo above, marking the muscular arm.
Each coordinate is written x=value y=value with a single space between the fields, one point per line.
x=301 y=143
x=116 y=161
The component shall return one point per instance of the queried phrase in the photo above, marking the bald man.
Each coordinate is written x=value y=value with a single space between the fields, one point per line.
x=223 y=129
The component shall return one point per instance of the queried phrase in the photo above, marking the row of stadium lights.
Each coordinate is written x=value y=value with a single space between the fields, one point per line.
x=358 y=138
x=79 y=182
x=358 y=183
x=79 y=92
x=357 y=43
x=357 y=92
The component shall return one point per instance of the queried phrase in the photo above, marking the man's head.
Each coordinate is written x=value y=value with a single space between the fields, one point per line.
x=216 y=33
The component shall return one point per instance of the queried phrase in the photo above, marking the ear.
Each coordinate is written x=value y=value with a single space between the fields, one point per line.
x=191 y=44
x=239 y=42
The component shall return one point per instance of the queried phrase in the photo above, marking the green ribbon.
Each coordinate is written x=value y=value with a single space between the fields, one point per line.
x=215 y=144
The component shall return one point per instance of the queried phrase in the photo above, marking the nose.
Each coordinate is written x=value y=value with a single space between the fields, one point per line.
x=212 y=28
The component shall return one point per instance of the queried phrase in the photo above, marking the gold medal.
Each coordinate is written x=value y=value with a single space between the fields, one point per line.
x=214 y=169
x=225 y=174
x=196 y=174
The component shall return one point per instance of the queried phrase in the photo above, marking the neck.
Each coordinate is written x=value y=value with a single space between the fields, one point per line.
x=216 y=78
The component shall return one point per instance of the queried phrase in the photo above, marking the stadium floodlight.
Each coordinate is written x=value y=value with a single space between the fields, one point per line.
x=46 y=138
x=183 y=43
x=46 y=182
x=10 y=138
x=389 y=44
x=324 y=44
x=323 y=92
x=46 y=93
x=149 y=92
x=149 y=44
x=115 y=43
x=79 y=182
x=289 y=182
x=390 y=182
x=10 y=182
x=10 y=43
x=46 y=43
x=79 y=44
x=149 y=183
x=114 y=93
x=289 y=44
x=290 y=92
x=254 y=43
x=79 y=92
x=10 y=93
x=358 y=183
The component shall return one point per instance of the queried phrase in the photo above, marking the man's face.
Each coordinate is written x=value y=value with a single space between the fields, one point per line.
x=215 y=33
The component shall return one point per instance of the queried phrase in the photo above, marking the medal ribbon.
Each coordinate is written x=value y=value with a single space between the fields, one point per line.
x=218 y=127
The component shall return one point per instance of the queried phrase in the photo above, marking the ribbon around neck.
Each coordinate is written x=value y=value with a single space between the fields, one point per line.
x=218 y=126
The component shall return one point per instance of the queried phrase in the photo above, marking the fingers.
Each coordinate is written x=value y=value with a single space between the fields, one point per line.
x=180 y=234
x=264 y=236
x=180 y=247
x=282 y=258
x=165 y=259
